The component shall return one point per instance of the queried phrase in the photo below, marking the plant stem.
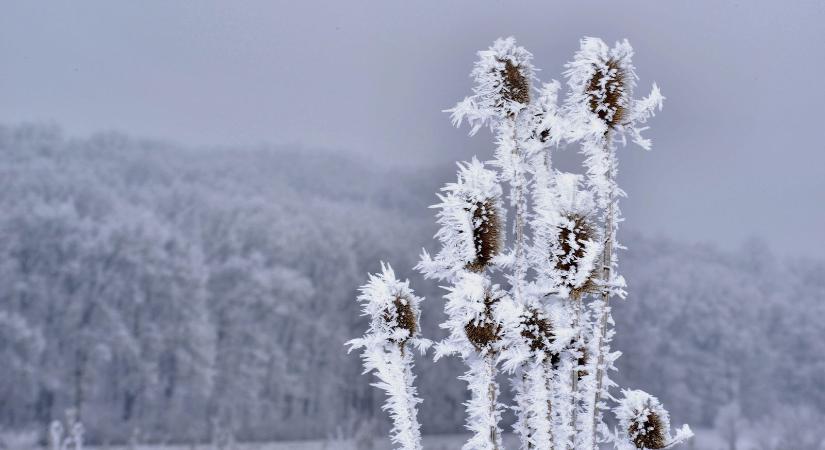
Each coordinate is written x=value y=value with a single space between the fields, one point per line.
x=517 y=186
x=491 y=396
x=607 y=266
x=574 y=373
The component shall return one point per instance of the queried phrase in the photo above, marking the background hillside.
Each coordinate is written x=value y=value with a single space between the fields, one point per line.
x=170 y=289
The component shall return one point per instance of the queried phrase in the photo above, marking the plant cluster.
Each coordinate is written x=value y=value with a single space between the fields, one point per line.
x=532 y=302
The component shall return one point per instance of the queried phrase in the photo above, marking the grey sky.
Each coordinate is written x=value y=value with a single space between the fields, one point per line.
x=738 y=150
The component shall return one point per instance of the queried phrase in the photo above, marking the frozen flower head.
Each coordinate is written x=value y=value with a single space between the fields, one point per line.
x=473 y=316
x=472 y=223
x=601 y=81
x=486 y=233
x=502 y=75
x=537 y=330
x=567 y=246
x=484 y=330
x=393 y=307
x=646 y=422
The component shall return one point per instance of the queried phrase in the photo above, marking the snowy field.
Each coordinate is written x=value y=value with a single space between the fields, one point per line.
x=704 y=440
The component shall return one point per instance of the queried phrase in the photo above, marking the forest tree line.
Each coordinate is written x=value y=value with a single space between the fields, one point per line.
x=173 y=290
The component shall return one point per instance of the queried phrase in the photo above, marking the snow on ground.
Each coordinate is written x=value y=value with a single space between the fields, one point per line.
x=704 y=440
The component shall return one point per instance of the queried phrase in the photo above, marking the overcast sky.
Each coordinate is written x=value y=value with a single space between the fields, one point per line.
x=738 y=150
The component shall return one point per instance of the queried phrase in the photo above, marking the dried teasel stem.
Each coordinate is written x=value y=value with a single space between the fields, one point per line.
x=537 y=331
x=574 y=373
x=607 y=266
x=515 y=90
x=492 y=397
x=517 y=185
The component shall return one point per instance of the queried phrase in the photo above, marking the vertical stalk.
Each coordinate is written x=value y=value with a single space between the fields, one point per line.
x=574 y=373
x=548 y=383
x=526 y=430
x=407 y=378
x=517 y=186
x=607 y=266
x=520 y=270
x=491 y=396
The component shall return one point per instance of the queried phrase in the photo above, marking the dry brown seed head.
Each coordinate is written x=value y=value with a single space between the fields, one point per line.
x=579 y=232
x=610 y=83
x=516 y=85
x=486 y=234
x=649 y=434
x=401 y=317
x=484 y=332
x=537 y=330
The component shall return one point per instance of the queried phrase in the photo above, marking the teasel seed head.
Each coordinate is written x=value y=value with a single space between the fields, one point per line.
x=648 y=433
x=515 y=84
x=393 y=309
x=574 y=233
x=646 y=422
x=485 y=331
x=607 y=93
x=487 y=234
x=471 y=223
x=400 y=316
x=537 y=330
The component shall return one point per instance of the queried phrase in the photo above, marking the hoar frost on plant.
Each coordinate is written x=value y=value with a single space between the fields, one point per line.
x=548 y=326
x=395 y=313
x=471 y=218
x=644 y=423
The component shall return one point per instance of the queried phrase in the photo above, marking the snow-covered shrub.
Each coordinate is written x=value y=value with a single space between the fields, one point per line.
x=68 y=436
x=550 y=327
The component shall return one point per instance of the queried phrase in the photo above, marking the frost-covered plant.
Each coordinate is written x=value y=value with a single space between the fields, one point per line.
x=394 y=311
x=471 y=223
x=601 y=110
x=644 y=423
x=68 y=437
x=548 y=328
x=471 y=220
